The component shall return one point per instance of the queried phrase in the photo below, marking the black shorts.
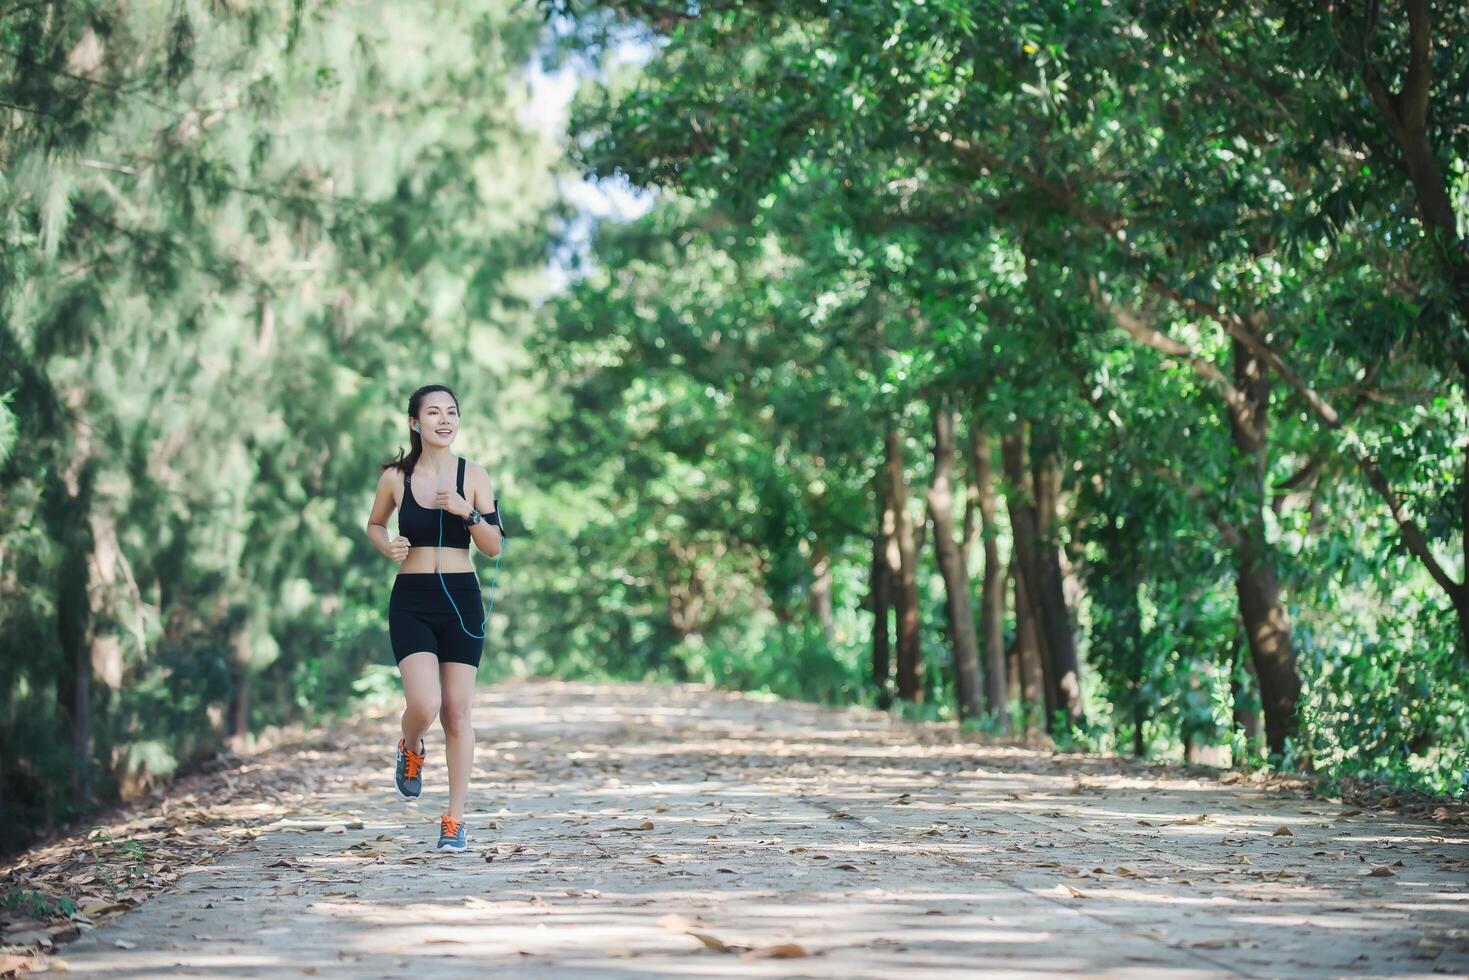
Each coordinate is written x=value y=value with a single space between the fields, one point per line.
x=420 y=617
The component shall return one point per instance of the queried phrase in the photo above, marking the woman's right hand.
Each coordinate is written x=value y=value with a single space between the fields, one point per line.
x=398 y=549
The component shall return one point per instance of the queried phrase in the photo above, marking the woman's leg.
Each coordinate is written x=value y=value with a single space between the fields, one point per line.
x=421 y=692
x=457 y=682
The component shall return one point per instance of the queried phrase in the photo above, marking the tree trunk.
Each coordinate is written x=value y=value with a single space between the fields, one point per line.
x=1267 y=627
x=952 y=566
x=74 y=689
x=240 y=709
x=69 y=517
x=1055 y=617
x=821 y=606
x=881 y=592
x=1131 y=631
x=1267 y=630
x=992 y=591
x=1029 y=661
x=1012 y=674
x=1460 y=596
x=1019 y=496
x=910 y=657
x=104 y=561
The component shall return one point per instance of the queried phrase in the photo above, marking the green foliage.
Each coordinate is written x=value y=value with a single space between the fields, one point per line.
x=786 y=660
x=35 y=904
x=1078 y=221
x=232 y=241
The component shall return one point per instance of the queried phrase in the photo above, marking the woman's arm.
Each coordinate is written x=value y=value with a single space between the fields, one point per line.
x=377 y=521
x=481 y=489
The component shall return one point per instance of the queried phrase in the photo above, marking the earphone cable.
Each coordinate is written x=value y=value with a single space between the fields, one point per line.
x=438 y=568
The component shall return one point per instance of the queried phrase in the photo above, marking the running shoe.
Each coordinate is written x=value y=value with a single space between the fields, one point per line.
x=451 y=834
x=408 y=773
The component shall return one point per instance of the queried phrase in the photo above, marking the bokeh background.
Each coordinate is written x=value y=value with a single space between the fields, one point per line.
x=1069 y=371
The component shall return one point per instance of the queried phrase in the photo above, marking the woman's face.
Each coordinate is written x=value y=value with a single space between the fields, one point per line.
x=438 y=419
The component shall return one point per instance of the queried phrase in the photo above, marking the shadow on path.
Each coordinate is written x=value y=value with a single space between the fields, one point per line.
x=641 y=830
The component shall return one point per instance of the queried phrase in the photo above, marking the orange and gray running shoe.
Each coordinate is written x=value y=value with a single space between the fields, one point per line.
x=451 y=834
x=408 y=773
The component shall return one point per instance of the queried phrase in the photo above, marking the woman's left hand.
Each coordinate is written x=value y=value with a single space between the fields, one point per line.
x=455 y=504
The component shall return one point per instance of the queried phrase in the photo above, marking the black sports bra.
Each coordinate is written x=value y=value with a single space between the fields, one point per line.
x=420 y=525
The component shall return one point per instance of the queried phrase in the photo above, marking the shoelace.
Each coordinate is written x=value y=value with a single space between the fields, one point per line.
x=412 y=761
x=450 y=825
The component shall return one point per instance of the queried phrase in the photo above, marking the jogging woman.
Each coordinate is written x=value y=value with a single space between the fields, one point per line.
x=436 y=618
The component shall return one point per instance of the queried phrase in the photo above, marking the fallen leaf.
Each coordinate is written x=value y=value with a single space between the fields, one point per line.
x=715 y=943
x=1380 y=872
x=103 y=908
x=782 y=951
x=1189 y=821
x=1282 y=832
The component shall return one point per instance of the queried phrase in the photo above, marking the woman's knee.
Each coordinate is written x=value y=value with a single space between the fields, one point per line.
x=455 y=718
x=422 y=711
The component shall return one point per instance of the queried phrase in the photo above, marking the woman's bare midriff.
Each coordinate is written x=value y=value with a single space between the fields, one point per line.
x=421 y=561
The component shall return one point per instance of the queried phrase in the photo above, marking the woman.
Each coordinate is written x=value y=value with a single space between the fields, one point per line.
x=435 y=616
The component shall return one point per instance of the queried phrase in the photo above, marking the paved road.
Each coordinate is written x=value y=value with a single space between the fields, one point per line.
x=647 y=831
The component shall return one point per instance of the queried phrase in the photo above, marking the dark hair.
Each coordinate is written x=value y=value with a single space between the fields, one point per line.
x=415 y=441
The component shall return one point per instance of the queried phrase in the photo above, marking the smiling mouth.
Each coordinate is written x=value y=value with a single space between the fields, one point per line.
x=445 y=432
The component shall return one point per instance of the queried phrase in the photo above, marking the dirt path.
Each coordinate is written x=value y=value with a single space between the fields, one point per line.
x=613 y=826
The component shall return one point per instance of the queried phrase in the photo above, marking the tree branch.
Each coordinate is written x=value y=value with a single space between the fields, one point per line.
x=1272 y=91
x=1243 y=330
x=1147 y=334
x=1414 y=98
